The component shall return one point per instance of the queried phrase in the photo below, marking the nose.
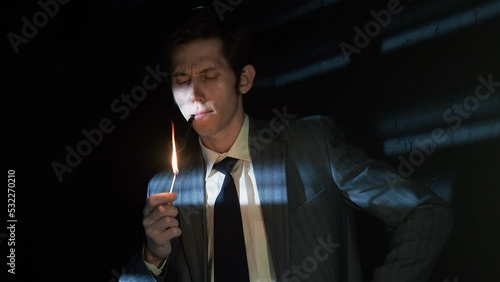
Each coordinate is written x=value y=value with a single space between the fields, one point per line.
x=196 y=92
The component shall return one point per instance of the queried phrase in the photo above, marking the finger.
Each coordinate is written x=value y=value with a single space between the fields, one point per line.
x=160 y=224
x=158 y=199
x=170 y=233
x=164 y=237
x=173 y=232
x=159 y=212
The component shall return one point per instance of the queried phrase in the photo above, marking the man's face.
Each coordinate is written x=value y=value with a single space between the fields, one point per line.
x=203 y=85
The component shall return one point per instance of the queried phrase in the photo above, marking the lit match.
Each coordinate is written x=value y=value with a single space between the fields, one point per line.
x=175 y=168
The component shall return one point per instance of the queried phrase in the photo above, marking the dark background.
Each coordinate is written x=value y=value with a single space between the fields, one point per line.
x=66 y=77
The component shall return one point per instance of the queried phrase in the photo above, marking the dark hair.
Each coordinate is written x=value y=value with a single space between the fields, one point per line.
x=204 y=23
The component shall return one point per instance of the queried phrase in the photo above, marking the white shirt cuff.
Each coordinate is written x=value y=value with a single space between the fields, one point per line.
x=155 y=270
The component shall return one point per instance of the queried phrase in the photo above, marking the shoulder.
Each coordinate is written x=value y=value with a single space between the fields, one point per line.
x=286 y=121
x=302 y=133
x=283 y=124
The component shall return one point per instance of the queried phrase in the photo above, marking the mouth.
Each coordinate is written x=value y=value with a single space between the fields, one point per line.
x=200 y=115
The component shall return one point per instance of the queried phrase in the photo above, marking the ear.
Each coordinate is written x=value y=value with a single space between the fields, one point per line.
x=246 y=78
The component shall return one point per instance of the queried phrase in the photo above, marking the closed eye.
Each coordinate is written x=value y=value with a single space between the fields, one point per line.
x=181 y=80
x=210 y=75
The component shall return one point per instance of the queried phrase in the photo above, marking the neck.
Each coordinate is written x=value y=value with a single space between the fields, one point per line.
x=222 y=141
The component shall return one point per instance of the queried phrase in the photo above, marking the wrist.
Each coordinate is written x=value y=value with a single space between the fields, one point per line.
x=152 y=258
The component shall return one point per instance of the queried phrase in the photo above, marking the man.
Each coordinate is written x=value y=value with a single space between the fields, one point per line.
x=298 y=183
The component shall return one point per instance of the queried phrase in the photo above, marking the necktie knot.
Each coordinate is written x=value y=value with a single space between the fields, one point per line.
x=226 y=165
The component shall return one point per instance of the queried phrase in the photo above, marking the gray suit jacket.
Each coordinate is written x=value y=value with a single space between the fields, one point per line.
x=309 y=182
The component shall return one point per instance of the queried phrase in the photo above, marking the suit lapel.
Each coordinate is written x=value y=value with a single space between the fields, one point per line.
x=269 y=167
x=191 y=203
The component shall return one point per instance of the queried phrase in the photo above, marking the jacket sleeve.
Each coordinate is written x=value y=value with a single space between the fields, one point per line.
x=137 y=271
x=419 y=219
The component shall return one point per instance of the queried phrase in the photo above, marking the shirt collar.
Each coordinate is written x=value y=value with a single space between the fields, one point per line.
x=238 y=150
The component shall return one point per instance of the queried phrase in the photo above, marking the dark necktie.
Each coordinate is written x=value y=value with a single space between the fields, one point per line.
x=230 y=257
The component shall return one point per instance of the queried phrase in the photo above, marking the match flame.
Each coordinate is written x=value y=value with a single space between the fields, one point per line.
x=175 y=167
